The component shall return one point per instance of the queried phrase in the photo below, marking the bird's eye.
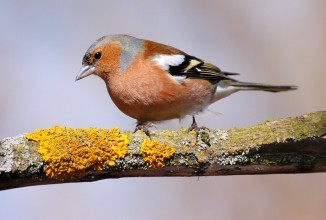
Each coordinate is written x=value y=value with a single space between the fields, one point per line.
x=97 y=55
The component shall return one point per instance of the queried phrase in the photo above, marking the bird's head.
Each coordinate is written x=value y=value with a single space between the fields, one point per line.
x=109 y=55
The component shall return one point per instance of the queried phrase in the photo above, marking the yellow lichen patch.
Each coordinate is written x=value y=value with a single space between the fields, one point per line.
x=155 y=153
x=202 y=157
x=193 y=132
x=70 y=152
x=167 y=133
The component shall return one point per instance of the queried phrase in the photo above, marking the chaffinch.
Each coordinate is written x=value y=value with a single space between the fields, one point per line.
x=152 y=82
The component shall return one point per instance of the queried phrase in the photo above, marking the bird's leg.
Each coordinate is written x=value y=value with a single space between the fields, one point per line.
x=194 y=126
x=143 y=127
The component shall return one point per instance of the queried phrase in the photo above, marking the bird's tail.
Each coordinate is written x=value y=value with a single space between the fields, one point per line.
x=263 y=87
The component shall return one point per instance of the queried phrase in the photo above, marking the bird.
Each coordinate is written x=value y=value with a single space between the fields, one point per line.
x=153 y=82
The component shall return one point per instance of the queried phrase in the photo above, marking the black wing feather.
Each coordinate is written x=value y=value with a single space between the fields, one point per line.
x=193 y=67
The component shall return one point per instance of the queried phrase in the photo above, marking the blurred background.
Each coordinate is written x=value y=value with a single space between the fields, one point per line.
x=281 y=42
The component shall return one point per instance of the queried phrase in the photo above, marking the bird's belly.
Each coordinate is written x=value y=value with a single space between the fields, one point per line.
x=154 y=109
x=158 y=102
x=153 y=112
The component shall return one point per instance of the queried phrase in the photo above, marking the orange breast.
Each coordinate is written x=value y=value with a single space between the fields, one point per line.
x=147 y=93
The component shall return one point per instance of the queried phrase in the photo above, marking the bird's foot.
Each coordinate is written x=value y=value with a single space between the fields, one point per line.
x=144 y=127
x=194 y=127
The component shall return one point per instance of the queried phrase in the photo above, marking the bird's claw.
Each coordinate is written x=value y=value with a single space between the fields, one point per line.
x=194 y=127
x=144 y=128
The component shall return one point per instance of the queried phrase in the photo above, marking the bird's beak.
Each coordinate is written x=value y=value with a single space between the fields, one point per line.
x=86 y=70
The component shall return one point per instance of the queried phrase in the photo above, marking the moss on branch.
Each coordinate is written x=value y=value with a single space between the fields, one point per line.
x=61 y=154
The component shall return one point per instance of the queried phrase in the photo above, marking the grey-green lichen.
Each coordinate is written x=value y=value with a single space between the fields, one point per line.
x=236 y=146
x=17 y=155
x=279 y=131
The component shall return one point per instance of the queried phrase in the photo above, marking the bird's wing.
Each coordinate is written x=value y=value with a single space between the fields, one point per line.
x=181 y=65
x=186 y=66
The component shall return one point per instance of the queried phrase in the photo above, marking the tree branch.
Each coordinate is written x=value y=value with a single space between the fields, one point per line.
x=60 y=154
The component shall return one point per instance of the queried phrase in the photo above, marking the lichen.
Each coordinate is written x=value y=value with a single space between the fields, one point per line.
x=155 y=153
x=16 y=155
x=202 y=157
x=69 y=152
x=276 y=131
x=6 y=156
